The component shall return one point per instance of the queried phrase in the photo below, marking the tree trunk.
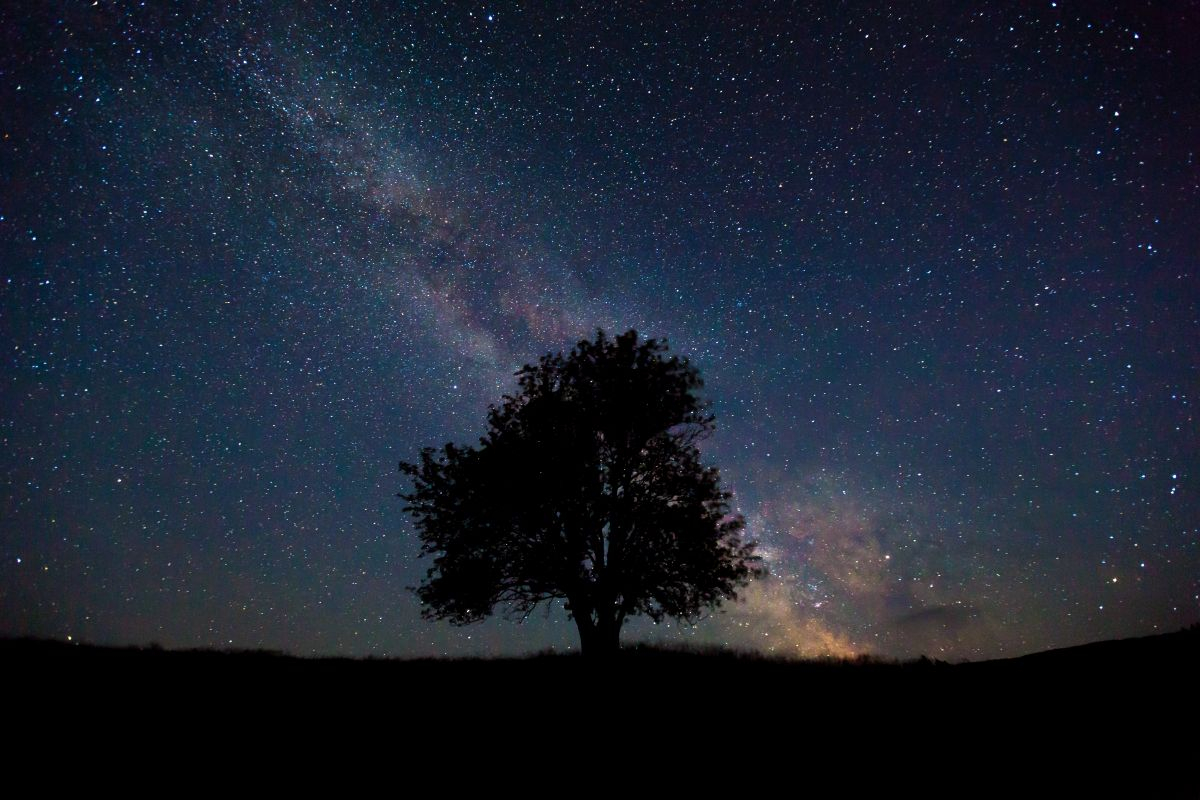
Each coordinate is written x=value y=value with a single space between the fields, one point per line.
x=610 y=636
x=598 y=638
x=587 y=634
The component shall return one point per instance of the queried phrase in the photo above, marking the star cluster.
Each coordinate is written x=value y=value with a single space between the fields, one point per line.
x=938 y=268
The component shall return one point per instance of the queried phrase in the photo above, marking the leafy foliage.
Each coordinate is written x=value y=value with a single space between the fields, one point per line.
x=587 y=487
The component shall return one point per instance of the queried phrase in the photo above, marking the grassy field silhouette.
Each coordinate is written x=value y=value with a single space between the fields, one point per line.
x=706 y=709
x=637 y=669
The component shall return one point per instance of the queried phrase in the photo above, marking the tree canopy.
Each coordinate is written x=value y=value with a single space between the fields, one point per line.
x=587 y=487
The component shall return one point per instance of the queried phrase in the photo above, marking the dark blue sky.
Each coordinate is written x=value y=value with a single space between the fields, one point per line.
x=938 y=269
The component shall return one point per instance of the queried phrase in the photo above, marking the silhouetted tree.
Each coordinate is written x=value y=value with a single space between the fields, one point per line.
x=587 y=487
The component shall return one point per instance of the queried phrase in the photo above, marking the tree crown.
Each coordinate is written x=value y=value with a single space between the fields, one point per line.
x=587 y=487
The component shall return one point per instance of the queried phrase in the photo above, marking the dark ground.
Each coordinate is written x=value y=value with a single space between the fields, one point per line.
x=1124 y=707
x=1127 y=669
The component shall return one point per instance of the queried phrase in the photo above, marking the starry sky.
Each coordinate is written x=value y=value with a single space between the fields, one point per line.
x=937 y=263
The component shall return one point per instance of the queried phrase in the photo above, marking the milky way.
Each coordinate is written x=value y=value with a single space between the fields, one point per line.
x=938 y=270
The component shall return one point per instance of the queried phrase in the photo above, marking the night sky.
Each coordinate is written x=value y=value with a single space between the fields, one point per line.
x=938 y=268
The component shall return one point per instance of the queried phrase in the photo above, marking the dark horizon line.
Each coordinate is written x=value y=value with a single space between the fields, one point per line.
x=634 y=649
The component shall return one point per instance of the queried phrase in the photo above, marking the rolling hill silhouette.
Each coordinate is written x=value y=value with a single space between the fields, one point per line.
x=1045 y=707
x=41 y=660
